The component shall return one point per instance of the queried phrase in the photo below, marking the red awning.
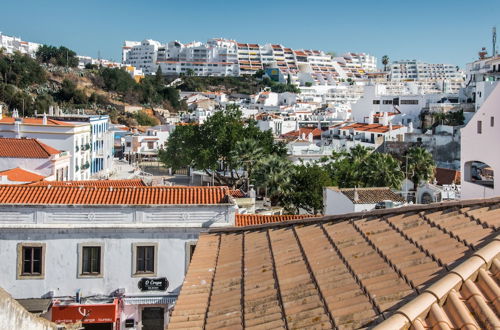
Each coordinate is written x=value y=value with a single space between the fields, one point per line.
x=101 y=313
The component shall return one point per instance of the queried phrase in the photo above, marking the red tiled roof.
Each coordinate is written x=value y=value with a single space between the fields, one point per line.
x=446 y=176
x=260 y=219
x=315 y=131
x=25 y=148
x=376 y=128
x=236 y=193
x=112 y=196
x=20 y=175
x=94 y=183
x=35 y=121
x=347 y=272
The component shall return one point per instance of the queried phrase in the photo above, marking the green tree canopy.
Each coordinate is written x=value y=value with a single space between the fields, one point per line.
x=58 y=56
x=420 y=165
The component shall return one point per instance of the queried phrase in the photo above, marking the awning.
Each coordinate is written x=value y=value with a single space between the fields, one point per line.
x=160 y=300
x=91 y=313
x=35 y=305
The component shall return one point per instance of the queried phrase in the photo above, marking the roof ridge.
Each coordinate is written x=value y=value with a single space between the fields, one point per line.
x=437 y=292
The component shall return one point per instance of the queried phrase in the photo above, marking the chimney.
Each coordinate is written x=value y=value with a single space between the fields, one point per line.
x=410 y=127
x=17 y=128
x=15 y=114
x=356 y=196
x=44 y=119
x=370 y=117
x=310 y=137
x=51 y=111
x=385 y=119
x=1 y=112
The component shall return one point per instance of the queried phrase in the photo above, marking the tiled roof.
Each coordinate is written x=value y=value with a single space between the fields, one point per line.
x=19 y=175
x=236 y=193
x=376 y=128
x=112 y=196
x=94 y=183
x=316 y=132
x=446 y=176
x=35 y=121
x=466 y=298
x=25 y=148
x=347 y=271
x=369 y=195
x=259 y=219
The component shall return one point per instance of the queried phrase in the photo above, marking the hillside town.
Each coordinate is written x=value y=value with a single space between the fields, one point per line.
x=227 y=184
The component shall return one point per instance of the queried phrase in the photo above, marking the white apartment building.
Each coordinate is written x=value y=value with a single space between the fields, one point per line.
x=481 y=78
x=74 y=138
x=147 y=144
x=403 y=107
x=101 y=139
x=480 y=159
x=15 y=44
x=222 y=57
x=417 y=70
x=112 y=257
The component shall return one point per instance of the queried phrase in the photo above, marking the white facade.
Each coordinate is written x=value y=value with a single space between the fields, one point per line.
x=335 y=202
x=55 y=167
x=417 y=70
x=147 y=144
x=480 y=161
x=62 y=232
x=481 y=78
x=72 y=138
x=15 y=44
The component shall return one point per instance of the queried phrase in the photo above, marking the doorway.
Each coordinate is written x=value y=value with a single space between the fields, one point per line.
x=153 y=318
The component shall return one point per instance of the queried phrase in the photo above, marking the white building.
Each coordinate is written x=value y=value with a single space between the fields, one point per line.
x=481 y=78
x=147 y=144
x=15 y=44
x=479 y=157
x=223 y=57
x=21 y=155
x=113 y=256
x=74 y=138
x=417 y=70
x=349 y=200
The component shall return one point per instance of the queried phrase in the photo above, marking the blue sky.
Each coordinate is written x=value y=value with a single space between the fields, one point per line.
x=439 y=31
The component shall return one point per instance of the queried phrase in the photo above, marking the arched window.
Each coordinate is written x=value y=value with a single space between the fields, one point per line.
x=479 y=173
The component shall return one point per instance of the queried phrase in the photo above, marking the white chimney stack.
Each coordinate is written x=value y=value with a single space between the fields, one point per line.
x=15 y=114
x=310 y=137
x=410 y=127
x=370 y=118
x=385 y=119
x=44 y=119
x=1 y=111
x=51 y=111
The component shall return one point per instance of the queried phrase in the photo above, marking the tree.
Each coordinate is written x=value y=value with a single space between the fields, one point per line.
x=190 y=72
x=314 y=178
x=70 y=93
x=420 y=165
x=211 y=147
x=383 y=170
x=143 y=119
x=245 y=155
x=273 y=173
x=58 y=56
x=385 y=61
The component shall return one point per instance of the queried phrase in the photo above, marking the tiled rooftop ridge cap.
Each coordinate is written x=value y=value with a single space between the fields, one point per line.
x=438 y=292
x=366 y=214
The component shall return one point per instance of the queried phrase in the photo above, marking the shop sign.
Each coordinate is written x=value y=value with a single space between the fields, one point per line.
x=99 y=313
x=153 y=284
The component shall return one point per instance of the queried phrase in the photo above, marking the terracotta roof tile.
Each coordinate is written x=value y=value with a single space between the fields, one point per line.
x=94 y=183
x=25 y=148
x=369 y=195
x=35 y=121
x=69 y=195
x=20 y=175
x=259 y=219
x=446 y=176
x=345 y=271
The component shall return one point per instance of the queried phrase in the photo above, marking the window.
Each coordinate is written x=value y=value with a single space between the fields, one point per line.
x=387 y=102
x=151 y=145
x=90 y=261
x=492 y=121
x=30 y=260
x=129 y=144
x=144 y=259
x=479 y=127
x=409 y=101
x=376 y=101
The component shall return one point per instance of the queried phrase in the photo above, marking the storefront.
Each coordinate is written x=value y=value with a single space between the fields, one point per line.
x=92 y=316
x=146 y=312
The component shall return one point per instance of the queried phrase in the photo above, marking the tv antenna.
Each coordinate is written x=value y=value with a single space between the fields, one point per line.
x=494 y=53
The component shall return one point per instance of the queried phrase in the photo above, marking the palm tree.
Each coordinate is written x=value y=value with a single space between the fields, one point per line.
x=383 y=170
x=245 y=155
x=273 y=173
x=420 y=165
x=385 y=61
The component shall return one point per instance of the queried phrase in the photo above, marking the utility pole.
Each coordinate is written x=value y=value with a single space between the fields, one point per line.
x=494 y=53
